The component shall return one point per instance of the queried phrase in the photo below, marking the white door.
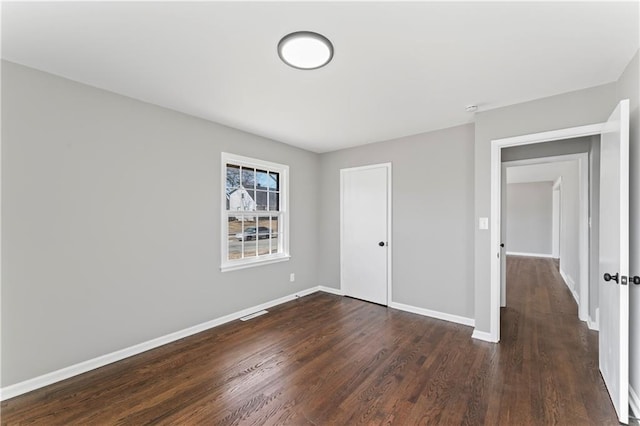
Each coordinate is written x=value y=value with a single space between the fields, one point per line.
x=365 y=193
x=614 y=259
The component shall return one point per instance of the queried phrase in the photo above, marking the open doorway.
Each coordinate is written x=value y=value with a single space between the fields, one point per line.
x=497 y=183
x=534 y=226
x=613 y=256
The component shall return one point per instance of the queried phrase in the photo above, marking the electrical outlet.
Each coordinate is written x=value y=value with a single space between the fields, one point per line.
x=292 y=277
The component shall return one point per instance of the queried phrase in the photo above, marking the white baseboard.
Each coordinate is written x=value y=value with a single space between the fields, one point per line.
x=566 y=278
x=575 y=296
x=634 y=402
x=82 y=367
x=332 y=290
x=483 y=335
x=594 y=325
x=571 y=285
x=433 y=314
x=517 y=253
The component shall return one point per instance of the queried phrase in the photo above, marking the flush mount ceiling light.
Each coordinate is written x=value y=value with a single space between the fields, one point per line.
x=305 y=50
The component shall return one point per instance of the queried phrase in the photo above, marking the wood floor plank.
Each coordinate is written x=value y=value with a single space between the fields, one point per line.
x=330 y=360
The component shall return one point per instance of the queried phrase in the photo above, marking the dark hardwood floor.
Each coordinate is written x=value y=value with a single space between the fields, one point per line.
x=329 y=360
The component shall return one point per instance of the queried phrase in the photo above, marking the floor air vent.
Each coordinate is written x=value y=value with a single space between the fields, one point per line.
x=253 y=315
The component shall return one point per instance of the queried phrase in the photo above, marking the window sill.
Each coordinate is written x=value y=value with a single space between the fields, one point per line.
x=244 y=264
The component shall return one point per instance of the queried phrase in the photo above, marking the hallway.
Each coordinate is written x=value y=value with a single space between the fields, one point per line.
x=549 y=349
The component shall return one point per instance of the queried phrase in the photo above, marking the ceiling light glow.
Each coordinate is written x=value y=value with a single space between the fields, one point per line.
x=305 y=50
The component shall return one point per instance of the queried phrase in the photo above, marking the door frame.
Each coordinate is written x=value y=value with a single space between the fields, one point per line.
x=494 y=228
x=557 y=218
x=387 y=166
x=580 y=294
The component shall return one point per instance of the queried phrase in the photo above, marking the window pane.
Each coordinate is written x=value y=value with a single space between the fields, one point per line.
x=248 y=178
x=233 y=177
x=274 y=180
x=275 y=234
x=274 y=201
x=241 y=200
x=262 y=179
x=233 y=243
x=264 y=234
x=250 y=248
x=264 y=226
x=275 y=224
x=232 y=183
x=261 y=200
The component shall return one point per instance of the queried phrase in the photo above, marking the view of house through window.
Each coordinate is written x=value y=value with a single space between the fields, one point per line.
x=254 y=211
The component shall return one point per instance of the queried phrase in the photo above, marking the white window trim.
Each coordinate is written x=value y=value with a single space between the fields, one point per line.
x=283 y=170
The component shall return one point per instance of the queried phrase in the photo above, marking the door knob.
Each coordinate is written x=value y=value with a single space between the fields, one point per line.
x=609 y=277
x=381 y=243
x=635 y=280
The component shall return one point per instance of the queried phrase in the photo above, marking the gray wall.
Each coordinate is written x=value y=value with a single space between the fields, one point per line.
x=578 y=108
x=570 y=261
x=547 y=149
x=529 y=217
x=111 y=223
x=432 y=238
x=628 y=88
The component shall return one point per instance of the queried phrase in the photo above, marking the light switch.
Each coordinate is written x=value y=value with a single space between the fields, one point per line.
x=483 y=223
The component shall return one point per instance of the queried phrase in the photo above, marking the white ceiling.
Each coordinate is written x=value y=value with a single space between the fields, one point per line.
x=400 y=68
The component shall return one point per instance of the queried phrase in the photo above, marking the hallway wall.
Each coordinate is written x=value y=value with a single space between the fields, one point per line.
x=529 y=218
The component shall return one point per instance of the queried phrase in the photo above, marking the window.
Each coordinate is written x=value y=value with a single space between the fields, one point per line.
x=255 y=225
